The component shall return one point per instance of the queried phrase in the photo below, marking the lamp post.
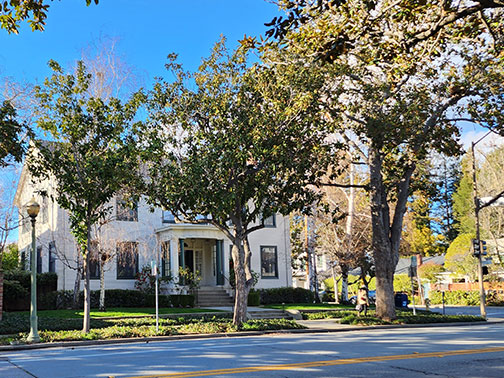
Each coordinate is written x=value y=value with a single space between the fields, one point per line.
x=32 y=209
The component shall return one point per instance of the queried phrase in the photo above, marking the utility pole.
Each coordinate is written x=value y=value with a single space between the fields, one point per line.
x=478 y=236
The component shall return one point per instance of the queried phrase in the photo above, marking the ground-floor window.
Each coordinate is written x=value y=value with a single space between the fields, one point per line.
x=52 y=257
x=165 y=259
x=127 y=260
x=39 y=259
x=269 y=262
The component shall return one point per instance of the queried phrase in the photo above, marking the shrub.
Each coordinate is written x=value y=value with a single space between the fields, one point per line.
x=455 y=297
x=182 y=300
x=286 y=295
x=254 y=298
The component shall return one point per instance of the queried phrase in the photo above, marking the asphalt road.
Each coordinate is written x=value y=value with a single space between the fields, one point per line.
x=444 y=351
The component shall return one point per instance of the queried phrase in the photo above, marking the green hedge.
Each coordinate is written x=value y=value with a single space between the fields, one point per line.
x=286 y=295
x=456 y=297
x=465 y=298
x=17 y=287
x=254 y=298
x=113 y=298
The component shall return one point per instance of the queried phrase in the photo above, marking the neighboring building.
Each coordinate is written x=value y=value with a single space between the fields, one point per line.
x=136 y=236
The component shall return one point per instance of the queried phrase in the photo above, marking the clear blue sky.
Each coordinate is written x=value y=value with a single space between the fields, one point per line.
x=148 y=30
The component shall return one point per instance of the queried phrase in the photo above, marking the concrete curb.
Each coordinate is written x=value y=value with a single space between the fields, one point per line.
x=338 y=328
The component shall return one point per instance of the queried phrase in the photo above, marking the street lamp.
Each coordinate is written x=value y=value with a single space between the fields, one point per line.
x=33 y=209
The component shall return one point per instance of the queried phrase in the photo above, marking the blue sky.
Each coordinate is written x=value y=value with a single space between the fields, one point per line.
x=148 y=31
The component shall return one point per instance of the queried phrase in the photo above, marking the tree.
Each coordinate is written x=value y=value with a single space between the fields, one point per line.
x=91 y=157
x=13 y=12
x=241 y=146
x=345 y=238
x=489 y=185
x=463 y=199
x=12 y=147
x=459 y=257
x=402 y=75
x=447 y=178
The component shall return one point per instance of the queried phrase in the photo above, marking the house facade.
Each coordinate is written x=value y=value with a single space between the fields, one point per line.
x=135 y=235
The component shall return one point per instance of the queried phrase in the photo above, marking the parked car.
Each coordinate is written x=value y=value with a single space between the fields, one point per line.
x=371 y=296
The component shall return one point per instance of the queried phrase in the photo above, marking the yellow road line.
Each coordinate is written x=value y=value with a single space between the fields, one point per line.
x=344 y=361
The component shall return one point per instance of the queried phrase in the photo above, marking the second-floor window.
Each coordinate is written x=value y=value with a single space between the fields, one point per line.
x=168 y=217
x=269 y=221
x=126 y=211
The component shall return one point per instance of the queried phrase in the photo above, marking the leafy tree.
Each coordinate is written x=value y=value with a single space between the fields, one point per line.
x=12 y=147
x=402 y=75
x=446 y=177
x=430 y=272
x=492 y=217
x=463 y=199
x=13 y=12
x=459 y=257
x=241 y=146
x=419 y=237
x=91 y=155
x=10 y=257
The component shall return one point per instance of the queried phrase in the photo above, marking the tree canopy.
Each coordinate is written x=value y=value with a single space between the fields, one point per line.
x=91 y=154
x=244 y=144
x=12 y=147
x=13 y=12
x=401 y=75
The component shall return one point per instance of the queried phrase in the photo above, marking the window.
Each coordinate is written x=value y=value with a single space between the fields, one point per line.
x=23 y=260
x=52 y=257
x=168 y=217
x=39 y=259
x=127 y=260
x=44 y=210
x=269 y=266
x=94 y=261
x=165 y=259
x=25 y=223
x=125 y=212
x=269 y=221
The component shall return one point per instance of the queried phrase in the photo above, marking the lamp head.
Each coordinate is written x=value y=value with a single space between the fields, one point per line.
x=32 y=208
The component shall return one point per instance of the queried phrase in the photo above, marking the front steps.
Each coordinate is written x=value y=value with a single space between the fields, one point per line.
x=213 y=297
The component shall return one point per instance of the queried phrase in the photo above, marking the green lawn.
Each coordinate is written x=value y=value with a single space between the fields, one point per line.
x=309 y=306
x=114 y=312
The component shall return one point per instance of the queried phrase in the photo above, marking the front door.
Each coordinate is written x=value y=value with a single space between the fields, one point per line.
x=189 y=259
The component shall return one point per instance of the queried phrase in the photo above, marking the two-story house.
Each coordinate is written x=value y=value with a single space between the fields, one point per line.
x=136 y=235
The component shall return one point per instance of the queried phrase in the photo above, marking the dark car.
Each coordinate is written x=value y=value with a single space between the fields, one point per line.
x=371 y=296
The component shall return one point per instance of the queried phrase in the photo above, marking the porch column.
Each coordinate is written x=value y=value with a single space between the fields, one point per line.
x=219 y=263
x=182 y=254
x=174 y=258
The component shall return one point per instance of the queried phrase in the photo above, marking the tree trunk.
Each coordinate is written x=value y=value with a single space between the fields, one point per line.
x=1 y=293
x=344 y=284
x=87 y=293
x=243 y=277
x=336 y=295
x=102 y=285
x=384 y=257
x=76 y=293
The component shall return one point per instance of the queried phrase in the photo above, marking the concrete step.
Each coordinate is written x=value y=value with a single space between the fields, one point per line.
x=213 y=296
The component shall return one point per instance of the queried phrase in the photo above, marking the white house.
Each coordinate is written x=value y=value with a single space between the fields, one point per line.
x=136 y=236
